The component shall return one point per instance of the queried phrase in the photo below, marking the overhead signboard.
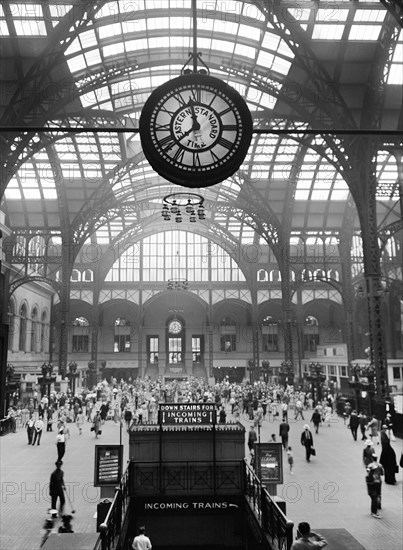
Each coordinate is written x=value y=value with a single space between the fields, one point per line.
x=183 y=414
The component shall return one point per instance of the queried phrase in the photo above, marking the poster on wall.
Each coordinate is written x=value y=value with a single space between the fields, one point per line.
x=108 y=465
x=269 y=463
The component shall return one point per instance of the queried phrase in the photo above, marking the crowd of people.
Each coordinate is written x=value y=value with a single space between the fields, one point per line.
x=137 y=401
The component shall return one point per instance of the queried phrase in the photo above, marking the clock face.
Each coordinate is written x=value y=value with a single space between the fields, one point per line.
x=175 y=327
x=195 y=130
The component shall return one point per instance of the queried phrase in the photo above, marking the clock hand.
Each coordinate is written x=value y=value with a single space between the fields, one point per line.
x=196 y=125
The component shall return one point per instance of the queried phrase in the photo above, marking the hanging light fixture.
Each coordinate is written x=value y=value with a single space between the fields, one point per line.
x=181 y=204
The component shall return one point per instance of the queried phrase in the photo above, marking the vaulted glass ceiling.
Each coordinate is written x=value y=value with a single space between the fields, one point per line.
x=286 y=62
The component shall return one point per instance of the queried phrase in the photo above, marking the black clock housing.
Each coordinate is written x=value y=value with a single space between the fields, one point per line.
x=195 y=130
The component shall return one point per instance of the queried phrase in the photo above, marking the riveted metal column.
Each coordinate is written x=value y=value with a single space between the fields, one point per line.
x=210 y=333
x=372 y=271
x=66 y=268
x=348 y=297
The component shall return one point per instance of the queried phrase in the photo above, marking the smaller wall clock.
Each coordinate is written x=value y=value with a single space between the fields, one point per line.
x=175 y=327
x=195 y=130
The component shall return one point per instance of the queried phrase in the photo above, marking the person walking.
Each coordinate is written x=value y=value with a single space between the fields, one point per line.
x=80 y=421
x=353 y=424
x=141 y=541
x=373 y=428
x=96 y=424
x=30 y=429
x=38 y=429
x=252 y=438
x=60 y=444
x=389 y=426
x=290 y=460
x=307 y=539
x=374 y=486
x=316 y=419
x=284 y=411
x=307 y=442
x=363 y=425
x=298 y=410
x=367 y=453
x=388 y=460
x=284 y=429
x=57 y=487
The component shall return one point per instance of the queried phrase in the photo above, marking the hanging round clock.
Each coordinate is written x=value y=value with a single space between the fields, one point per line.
x=195 y=130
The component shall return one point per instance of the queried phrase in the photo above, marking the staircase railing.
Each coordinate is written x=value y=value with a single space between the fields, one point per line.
x=273 y=522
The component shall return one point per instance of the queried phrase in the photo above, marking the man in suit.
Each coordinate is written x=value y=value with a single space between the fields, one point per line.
x=284 y=428
x=307 y=442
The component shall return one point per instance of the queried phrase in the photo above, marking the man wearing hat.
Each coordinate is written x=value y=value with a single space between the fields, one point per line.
x=141 y=542
x=307 y=442
x=57 y=487
x=367 y=453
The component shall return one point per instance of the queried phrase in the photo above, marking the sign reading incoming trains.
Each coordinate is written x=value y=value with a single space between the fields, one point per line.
x=187 y=413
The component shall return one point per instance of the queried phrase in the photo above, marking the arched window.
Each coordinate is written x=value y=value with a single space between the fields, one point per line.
x=11 y=324
x=122 y=340
x=34 y=329
x=75 y=276
x=262 y=275
x=88 y=275
x=228 y=334
x=23 y=328
x=311 y=334
x=80 y=342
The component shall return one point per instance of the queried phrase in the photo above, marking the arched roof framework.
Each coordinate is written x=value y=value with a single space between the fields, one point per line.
x=98 y=62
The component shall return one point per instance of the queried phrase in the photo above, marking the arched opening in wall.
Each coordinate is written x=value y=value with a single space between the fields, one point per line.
x=175 y=334
x=34 y=329
x=122 y=339
x=228 y=334
x=11 y=324
x=262 y=276
x=269 y=334
x=311 y=334
x=23 y=328
x=80 y=336
x=88 y=276
x=75 y=276
x=44 y=331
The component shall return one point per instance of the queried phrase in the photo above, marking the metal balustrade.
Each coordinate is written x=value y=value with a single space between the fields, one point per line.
x=201 y=478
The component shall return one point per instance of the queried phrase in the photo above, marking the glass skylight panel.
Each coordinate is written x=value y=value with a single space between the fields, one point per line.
x=370 y=15
x=281 y=66
x=93 y=58
x=327 y=32
x=1 y=11
x=29 y=28
x=3 y=28
x=320 y=195
x=12 y=193
x=245 y=51
x=88 y=39
x=364 y=32
x=205 y=24
x=395 y=75
x=76 y=63
x=222 y=46
x=159 y=42
x=31 y=193
x=59 y=10
x=113 y=49
x=339 y=195
x=249 y=32
x=332 y=14
x=136 y=45
x=271 y=41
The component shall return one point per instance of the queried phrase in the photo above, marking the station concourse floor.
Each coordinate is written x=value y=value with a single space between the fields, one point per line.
x=329 y=492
